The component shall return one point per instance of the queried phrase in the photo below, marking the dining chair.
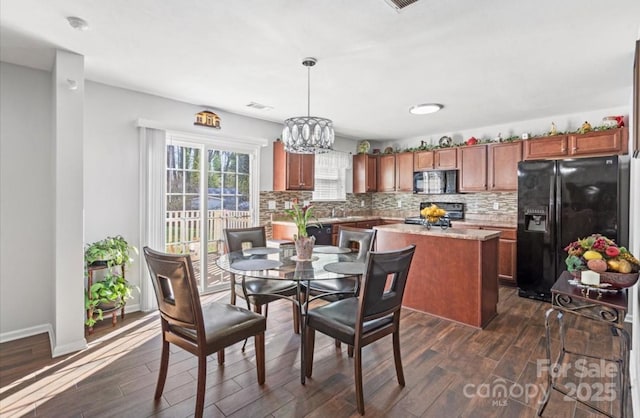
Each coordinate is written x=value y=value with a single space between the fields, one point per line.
x=363 y=319
x=348 y=237
x=199 y=329
x=257 y=292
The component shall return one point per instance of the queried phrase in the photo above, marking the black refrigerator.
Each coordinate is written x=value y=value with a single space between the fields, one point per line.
x=560 y=201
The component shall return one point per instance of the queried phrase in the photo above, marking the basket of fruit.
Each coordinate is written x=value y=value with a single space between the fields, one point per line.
x=432 y=215
x=615 y=265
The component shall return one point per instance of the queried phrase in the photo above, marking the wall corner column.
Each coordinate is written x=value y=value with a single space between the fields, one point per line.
x=67 y=179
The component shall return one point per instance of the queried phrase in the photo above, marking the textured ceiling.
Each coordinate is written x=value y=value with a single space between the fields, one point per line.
x=487 y=62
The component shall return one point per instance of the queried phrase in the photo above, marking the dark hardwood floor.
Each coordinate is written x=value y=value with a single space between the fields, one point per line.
x=450 y=370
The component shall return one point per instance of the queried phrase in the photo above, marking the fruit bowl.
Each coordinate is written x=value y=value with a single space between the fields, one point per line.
x=616 y=280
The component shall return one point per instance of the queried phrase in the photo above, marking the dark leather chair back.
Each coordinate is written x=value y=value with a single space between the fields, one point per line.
x=234 y=238
x=185 y=324
x=175 y=288
x=365 y=239
x=384 y=282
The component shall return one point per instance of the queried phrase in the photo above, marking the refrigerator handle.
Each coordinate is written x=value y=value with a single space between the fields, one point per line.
x=556 y=190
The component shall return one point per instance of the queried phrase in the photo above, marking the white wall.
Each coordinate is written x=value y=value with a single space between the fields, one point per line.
x=111 y=186
x=26 y=201
x=111 y=156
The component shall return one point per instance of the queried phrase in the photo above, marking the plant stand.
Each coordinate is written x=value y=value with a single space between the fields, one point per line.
x=112 y=310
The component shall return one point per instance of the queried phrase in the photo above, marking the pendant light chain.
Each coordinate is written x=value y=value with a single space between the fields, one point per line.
x=308 y=90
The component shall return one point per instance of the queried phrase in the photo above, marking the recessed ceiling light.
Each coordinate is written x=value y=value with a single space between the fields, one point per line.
x=426 y=108
x=77 y=23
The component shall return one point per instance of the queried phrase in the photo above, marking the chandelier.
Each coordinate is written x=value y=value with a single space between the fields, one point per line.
x=308 y=134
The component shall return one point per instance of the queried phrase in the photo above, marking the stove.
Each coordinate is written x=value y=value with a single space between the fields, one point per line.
x=455 y=211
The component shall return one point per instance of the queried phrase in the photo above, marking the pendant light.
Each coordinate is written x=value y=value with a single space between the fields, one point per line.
x=308 y=134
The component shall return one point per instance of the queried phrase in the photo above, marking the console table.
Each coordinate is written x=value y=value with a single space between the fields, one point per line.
x=607 y=308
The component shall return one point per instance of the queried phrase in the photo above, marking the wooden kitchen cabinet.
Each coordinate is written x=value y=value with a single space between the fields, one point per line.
x=503 y=161
x=507 y=257
x=440 y=159
x=592 y=144
x=404 y=172
x=292 y=171
x=473 y=168
x=445 y=159
x=612 y=141
x=546 y=148
x=365 y=173
x=335 y=230
x=283 y=231
x=423 y=160
x=386 y=173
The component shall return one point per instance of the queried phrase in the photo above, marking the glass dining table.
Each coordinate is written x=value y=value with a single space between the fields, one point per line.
x=327 y=263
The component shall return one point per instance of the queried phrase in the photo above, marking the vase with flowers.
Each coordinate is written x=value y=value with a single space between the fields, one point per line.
x=597 y=253
x=303 y=218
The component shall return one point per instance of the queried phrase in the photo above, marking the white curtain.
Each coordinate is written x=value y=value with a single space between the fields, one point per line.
x=152 y=146
x=330 y=175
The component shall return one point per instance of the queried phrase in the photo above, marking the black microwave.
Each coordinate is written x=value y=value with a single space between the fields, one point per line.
x=435 y=182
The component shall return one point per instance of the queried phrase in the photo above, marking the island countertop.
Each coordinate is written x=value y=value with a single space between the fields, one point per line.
x=436 y=231
x=453 y=274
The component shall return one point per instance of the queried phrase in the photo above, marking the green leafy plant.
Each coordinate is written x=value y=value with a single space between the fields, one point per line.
x=302 y=217
x=113 y=290
x=114 y=251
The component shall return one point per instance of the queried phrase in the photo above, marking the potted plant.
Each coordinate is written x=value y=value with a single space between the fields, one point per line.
x=113 y=291
x=303 y=218
x=111 y=251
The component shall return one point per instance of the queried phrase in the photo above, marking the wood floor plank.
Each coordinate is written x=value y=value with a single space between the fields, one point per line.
x=116 y=376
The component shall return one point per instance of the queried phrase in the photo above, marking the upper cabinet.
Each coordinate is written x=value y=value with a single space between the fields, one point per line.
x=546 y=148
x=423 y=160
x=609 y=142
x=404 y=172
x=473 y=168
x=503 y=161
x=365 y=173
x=445 y=159
x=292 y=171
x=612 y=141
x=386 y=173
x=440 y=159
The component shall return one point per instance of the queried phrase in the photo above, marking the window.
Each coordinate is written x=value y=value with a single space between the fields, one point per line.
x=330 y=175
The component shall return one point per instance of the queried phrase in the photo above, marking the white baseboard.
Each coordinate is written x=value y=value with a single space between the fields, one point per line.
x=131 y=308
x=27 y=332
x=634 y=376
x=72 y=347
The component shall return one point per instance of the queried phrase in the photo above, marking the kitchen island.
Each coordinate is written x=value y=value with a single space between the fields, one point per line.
x=454 y=272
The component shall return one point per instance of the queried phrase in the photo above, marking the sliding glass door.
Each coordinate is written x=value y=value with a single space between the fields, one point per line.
x=208 y=189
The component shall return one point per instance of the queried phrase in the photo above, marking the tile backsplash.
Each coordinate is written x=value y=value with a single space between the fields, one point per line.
x=478 y=206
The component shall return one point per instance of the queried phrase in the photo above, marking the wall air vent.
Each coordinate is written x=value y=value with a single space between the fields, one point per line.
x=259 y=106
x=400 y=4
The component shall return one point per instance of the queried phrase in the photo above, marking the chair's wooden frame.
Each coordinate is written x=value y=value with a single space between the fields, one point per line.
x=372 y=291
x=180 y=309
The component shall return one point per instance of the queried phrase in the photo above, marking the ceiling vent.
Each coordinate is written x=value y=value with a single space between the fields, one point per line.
x=259 y=106
x=400 y=4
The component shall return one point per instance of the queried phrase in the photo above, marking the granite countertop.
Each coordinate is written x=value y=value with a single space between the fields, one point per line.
x=336 y=220
x=455 y=233
x=486 y=223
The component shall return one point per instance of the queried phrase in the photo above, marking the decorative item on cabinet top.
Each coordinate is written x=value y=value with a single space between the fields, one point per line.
x=363 y=147
x=208 y=119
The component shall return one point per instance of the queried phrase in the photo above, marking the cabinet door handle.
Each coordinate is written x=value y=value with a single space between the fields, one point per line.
x=563 y=149
x=575 y=149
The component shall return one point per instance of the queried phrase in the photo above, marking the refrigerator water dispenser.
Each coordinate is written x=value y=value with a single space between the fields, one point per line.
x=535 y=219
